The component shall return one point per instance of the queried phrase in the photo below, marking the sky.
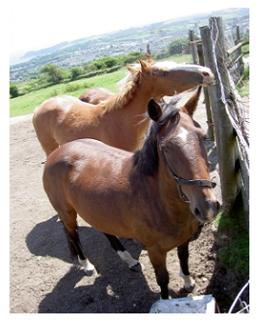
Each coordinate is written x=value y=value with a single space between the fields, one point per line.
x=42 y=23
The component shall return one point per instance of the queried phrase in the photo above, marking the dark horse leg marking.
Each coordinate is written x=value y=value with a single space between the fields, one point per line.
x=122 y=252
x=71 y=230
x=183 y=255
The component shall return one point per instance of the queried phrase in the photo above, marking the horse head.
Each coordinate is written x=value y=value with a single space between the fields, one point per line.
x=169 y=78
x=181 y=148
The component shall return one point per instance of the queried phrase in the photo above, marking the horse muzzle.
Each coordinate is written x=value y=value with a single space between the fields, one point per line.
x=206 y=211
x=208 y=78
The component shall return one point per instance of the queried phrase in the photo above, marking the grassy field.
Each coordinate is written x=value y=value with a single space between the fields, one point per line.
x=25 y=104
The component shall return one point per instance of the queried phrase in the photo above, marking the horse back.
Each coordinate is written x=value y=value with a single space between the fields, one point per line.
x=61 y=119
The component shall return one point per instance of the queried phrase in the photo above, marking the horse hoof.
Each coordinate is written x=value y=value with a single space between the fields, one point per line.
x=87 y=267
x=189 y=285
x=189 y=282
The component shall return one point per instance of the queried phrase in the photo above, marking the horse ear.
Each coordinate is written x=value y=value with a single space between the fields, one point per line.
x=191 y=104
x=154 y=110
x=144 y=65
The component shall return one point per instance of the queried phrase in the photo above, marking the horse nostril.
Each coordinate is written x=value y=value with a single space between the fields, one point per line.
x=217 y=205
x=197 y=212
x=206 y=74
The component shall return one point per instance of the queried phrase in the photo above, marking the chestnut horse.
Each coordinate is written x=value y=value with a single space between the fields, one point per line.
x=95 y=95
x=120 y=120
x=159 y=195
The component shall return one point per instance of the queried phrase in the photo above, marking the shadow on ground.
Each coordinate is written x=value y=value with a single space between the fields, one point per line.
x=114 y=289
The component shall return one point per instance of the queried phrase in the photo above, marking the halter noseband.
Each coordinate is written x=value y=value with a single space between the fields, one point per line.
x=189 y=182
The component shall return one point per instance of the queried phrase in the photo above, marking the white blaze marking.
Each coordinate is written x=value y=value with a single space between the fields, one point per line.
x=183 y=134
x=127 y=258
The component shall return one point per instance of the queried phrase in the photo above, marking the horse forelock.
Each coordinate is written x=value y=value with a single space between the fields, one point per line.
x=146 y=160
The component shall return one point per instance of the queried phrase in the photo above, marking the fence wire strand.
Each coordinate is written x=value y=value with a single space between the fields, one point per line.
x=235 y=110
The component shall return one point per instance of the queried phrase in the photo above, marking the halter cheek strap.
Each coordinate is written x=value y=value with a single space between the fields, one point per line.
x=189 y=182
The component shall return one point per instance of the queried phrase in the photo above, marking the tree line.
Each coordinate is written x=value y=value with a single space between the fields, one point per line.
x=52 y=74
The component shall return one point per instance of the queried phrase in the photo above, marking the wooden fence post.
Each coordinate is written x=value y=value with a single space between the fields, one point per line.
x=238 y=37
x=219 y=93
x=206 y=96
x=192 y=45
x=239 y=52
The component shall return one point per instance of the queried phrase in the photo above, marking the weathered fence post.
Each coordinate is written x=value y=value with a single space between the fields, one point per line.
x=215 y=58
x=192 y=45
x=148 y=50
x=239 y=52
x=238 y=37
x=206 y=96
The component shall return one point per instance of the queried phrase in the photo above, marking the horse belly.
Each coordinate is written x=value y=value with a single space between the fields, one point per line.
x=106 y=211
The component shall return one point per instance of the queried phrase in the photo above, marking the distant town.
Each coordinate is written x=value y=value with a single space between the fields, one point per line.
x=154 y=37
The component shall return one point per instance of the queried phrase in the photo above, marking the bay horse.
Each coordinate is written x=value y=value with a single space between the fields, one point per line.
x=95 y=95
x=159 y=195
x=120 y=120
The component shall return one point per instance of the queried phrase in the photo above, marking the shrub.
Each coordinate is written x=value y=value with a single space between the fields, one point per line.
x=110 y=62
x=75 y=73
x=55 y=74
x=14 y=92
x=178 y=46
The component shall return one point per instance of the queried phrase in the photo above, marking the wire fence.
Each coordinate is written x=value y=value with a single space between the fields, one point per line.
x=241 y=301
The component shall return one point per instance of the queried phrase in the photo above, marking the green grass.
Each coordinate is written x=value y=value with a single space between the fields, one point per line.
x=25 y=104
x=243 y=87
x=235 y=252
x=187 y=58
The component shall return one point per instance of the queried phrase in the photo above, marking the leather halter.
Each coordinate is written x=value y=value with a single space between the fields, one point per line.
x=189 y=182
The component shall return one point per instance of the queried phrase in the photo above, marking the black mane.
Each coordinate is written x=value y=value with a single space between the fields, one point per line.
x=146 y=160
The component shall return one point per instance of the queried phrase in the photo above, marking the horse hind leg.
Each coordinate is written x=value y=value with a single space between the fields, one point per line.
x=69 y=220
x=183 y=255
x=132 y=263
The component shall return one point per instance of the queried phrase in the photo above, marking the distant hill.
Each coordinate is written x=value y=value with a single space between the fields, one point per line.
x=158 y=35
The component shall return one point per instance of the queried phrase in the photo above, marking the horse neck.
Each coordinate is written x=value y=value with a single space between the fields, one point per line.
x=135 y=98
x=130 y=116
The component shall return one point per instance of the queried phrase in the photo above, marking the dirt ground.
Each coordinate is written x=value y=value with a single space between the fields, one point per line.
x=44 y=279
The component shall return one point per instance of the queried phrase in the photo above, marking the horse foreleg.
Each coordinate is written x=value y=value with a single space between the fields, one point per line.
x=183 y=255
x=122 y=252
x=158 y=259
